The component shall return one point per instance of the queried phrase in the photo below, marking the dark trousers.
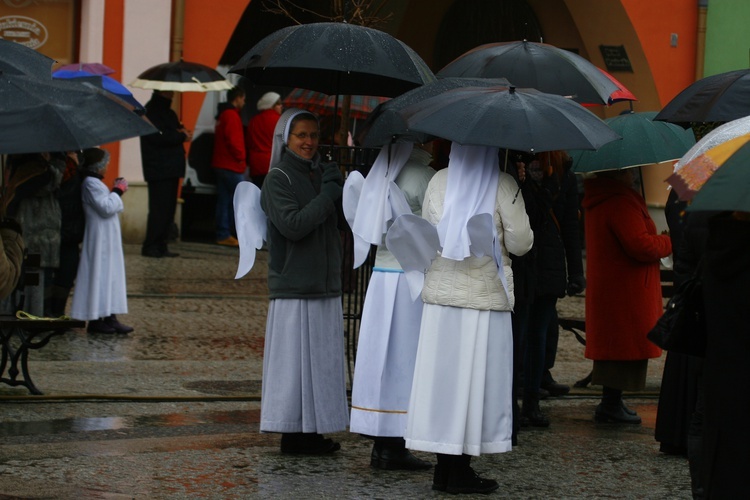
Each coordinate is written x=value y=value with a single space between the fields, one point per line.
x=162 y=204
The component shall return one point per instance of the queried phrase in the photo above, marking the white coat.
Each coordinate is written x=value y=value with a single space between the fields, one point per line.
x=100 y=288
x=473 y=283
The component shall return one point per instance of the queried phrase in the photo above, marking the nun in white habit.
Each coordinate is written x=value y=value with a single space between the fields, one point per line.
x=391 y=316
x=461 y=394
x=304 y=386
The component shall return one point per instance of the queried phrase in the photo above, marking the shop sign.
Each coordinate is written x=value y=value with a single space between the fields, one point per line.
x=24 y=30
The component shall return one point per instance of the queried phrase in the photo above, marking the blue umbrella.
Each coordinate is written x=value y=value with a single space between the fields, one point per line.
x=102 y=81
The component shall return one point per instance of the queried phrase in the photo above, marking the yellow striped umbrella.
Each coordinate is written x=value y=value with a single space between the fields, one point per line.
x=693 y=175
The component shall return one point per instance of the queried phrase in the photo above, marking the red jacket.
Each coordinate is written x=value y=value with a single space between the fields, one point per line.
x=623 y=292
x=229 y=141
x=260 y=140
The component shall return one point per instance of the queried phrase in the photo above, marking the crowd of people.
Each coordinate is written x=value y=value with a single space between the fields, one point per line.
x=442 y=361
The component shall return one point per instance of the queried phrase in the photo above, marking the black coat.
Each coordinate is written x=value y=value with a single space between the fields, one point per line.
x=162 y=154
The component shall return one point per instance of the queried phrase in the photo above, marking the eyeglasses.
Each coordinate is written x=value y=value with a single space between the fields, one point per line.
x=303 y=136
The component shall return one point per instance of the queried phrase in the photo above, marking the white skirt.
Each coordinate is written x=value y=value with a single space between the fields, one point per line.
x=461 y=395
x=304 y=385
x=386 y=351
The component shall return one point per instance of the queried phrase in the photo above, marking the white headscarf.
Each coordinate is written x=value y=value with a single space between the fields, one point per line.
x=381 y=201
x=473 y=173
x=281 y=132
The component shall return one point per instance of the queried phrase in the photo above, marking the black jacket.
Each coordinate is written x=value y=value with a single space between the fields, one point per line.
x=162 y=154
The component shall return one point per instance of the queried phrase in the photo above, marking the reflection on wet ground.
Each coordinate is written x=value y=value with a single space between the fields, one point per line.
x=91 y=424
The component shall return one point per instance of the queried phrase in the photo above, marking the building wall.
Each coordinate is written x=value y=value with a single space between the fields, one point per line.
x=727 y=36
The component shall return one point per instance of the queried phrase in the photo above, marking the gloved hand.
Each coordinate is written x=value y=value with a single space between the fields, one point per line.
x=332 y=173
x=576 y=285
x=121 y=185
x=332 y=189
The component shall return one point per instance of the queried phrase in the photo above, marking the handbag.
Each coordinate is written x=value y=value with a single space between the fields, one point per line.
x=682 y=326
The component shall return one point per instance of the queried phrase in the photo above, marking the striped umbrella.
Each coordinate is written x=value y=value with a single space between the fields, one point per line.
x=324 y=105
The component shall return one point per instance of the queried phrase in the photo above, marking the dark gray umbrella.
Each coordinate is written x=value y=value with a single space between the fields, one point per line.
x=386 y=124
x=507 y=117
x=59 y=115
x=17 y=59
x=335 y=58
x=718 y=98
x=536 y=65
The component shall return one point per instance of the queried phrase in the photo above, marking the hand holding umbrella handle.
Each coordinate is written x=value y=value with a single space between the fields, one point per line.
x=332 y=173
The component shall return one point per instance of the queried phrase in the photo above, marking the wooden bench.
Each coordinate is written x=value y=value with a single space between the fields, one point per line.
x=577 y=325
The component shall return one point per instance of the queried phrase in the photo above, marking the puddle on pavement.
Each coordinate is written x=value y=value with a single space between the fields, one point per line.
x=91 y=424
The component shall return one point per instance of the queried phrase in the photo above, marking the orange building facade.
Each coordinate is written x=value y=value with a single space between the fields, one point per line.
x=661 y=41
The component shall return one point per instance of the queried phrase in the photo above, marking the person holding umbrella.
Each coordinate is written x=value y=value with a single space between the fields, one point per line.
x=304 y=387
x=163 y=161
x=461 y=394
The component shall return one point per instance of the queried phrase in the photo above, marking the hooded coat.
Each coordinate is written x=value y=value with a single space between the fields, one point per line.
x=623 y=297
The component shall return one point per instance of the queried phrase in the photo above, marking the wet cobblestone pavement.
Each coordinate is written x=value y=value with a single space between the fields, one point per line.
x=171 y=411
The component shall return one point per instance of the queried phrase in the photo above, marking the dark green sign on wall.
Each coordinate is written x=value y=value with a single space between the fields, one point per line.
x=616 y=58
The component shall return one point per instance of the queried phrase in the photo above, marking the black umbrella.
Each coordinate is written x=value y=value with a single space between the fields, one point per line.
x=59 y=115
x=17 y=59
x=507 y=117
x=335 y=58
x=536 y=65
x=182 y=76
x=718 y=98
x=386 y=124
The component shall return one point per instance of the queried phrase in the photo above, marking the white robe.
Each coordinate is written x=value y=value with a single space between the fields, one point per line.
x=100 y=288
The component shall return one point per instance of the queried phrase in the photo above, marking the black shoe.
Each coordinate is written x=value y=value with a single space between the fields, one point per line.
x=390 y=458
x=616 y=415
x=299 y=443
x=99 y=326
x=628 y=410
x=112 y=322
x=152 y=253
x=556 y=390
x=465 y=480
x=534 y=418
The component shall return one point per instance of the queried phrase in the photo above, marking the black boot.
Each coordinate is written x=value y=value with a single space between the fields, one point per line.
x=307 y=443
x=463 y=479
x=390 y=453
x=99 y=326
x=531 y=414
x=613 y=410
x=112 y=322
x=440 y=477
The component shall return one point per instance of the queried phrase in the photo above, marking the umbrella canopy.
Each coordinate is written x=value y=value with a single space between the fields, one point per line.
x=17 y=59
x=181 y=76
x=729 y=130
x=718 y=98
x=103 y=82
x=717 y=180
x=537 y=65
x=506 y=117
x=61 y=116
x=334 y=58
x=619 y=95
x=385 y=124
x=692 y=177
x=323 y=105
x=92 y=68
x=644 y=142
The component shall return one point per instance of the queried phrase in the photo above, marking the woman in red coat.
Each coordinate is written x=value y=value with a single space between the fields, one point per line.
x=259 y=136
x=623 y=300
